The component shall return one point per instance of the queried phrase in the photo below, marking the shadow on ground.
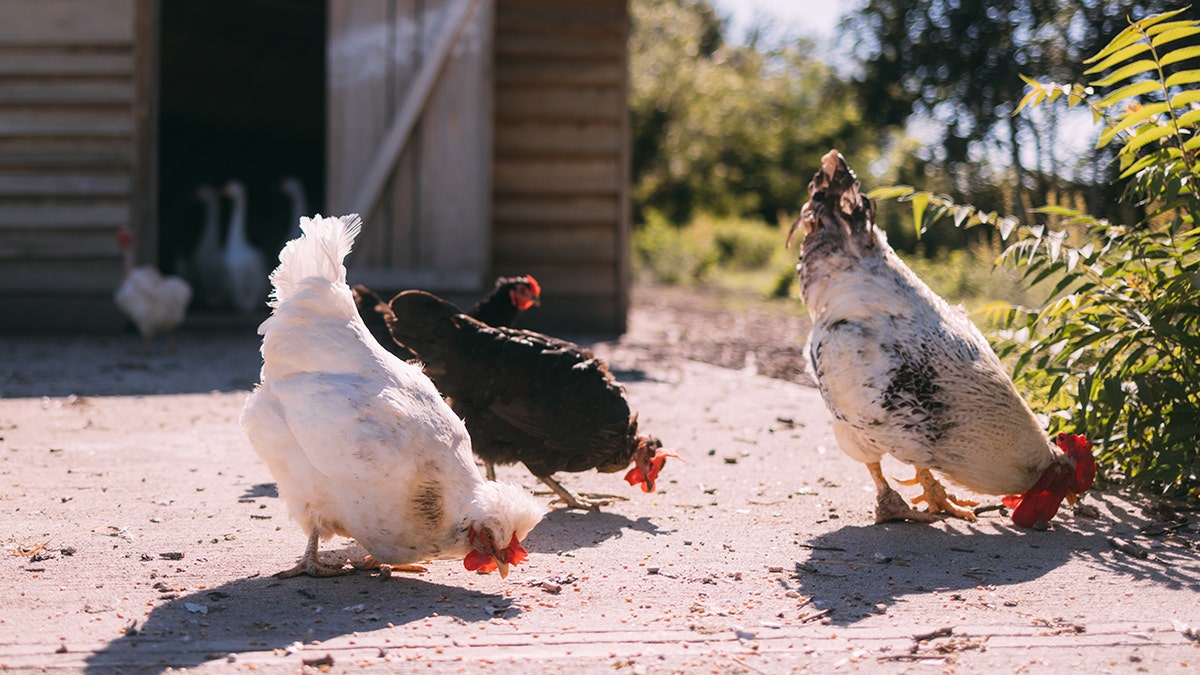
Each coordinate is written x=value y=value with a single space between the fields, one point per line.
x=265 y=613
x=856 y=571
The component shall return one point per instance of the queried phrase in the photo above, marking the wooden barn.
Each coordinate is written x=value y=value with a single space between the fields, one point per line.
x=476 y=137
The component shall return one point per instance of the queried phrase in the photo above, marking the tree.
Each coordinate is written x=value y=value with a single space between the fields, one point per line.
x=728 y=130
x=960 y=64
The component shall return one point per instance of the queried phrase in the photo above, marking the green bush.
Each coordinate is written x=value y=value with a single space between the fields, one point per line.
x=701 y=249
x=1114 y=353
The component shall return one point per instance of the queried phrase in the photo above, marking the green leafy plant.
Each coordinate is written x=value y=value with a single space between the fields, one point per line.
x=1115 y=351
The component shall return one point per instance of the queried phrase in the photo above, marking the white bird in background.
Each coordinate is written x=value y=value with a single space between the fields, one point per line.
x=207 y=261
x=156 y=304
x=245 y=271
x=361 y=443
x=294 y=189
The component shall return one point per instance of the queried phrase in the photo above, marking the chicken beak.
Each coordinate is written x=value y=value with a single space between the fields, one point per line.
x=501 y=566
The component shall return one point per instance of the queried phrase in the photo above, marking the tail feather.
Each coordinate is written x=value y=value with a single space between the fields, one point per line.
x=318 y=252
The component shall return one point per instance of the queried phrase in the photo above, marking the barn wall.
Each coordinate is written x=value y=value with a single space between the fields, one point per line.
x=431 y=227
x=70 y=155
x=560 y=208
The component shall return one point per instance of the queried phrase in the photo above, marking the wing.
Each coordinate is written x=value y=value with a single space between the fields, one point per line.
x=352 y=429
x=878 y=387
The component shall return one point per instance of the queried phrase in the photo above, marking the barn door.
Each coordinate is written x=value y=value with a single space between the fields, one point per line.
x=410 y=141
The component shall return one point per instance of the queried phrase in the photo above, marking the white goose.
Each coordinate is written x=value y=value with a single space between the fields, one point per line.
x=293 y=188
x=245 y=271
x=207 y=268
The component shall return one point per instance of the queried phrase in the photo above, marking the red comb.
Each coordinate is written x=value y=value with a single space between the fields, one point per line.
x=537 y=289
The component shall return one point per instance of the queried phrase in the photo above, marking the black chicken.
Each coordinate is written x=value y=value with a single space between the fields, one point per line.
x=509 y=298
x=527 y=397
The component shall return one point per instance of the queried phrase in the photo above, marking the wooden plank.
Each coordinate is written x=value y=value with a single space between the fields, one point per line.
x=570 y=278
x=70 y=276
x=66 y=22
x=623 y=246
x=560 y=72
x=144 y=200
x=59 y=244
x=589 y=245
x=555 y=211
x=383 y=280
x=560 y=18
x=357 y=102
x=66 y=124
x=60 y=92
x=65 y=62
x=370 y=186
x=557 y=139
x=558 y=104
x=400 y=208
x=557 y=176
x=89 y=215
x=359 y=65
x=518 y=44
x=16 y=153
x=456 y=152
x=60 y=184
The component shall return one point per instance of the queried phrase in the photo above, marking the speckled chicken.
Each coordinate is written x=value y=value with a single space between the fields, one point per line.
x=361 y=443
x=906 y=374
x=527 y=397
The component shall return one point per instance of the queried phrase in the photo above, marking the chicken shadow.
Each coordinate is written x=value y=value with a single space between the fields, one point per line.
x=265 y=613
x=856 y=571
x=566 y=530
x=261 y=490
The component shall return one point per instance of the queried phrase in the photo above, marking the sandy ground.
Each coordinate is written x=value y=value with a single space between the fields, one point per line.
x=140 y=533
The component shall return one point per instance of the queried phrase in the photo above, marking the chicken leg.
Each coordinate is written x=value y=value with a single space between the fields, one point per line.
x=311 y=564
x=889 y=505
x=569 y=498
x=936 y=497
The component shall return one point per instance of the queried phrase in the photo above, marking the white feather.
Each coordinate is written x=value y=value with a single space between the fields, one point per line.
x=360 y=442
x=156 y=304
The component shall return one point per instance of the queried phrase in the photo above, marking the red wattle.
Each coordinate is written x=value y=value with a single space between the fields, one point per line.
x=481 y=562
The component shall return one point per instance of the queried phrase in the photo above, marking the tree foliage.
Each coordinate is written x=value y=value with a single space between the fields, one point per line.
x=1116 y=348
x=724 y=129
x=959 y=65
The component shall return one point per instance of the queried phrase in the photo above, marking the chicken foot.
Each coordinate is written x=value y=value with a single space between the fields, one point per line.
x=370 y=563
x=936 y=497
x=570 y=499
x=889 y=505
x=311 y=564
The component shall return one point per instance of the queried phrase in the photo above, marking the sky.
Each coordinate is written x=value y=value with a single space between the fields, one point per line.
x=814 y=18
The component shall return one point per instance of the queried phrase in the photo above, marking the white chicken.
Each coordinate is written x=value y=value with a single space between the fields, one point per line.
x=207 y=263
x=361 y=443
x=245 y=271
x=155 y=303
x=904 y=373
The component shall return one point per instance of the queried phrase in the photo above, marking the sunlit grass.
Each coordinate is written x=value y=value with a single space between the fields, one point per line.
x=749 y=256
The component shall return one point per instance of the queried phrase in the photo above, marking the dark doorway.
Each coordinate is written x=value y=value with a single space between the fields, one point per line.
x=242 y=96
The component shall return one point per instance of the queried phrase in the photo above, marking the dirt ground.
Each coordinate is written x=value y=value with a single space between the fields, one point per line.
x=139 y=533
